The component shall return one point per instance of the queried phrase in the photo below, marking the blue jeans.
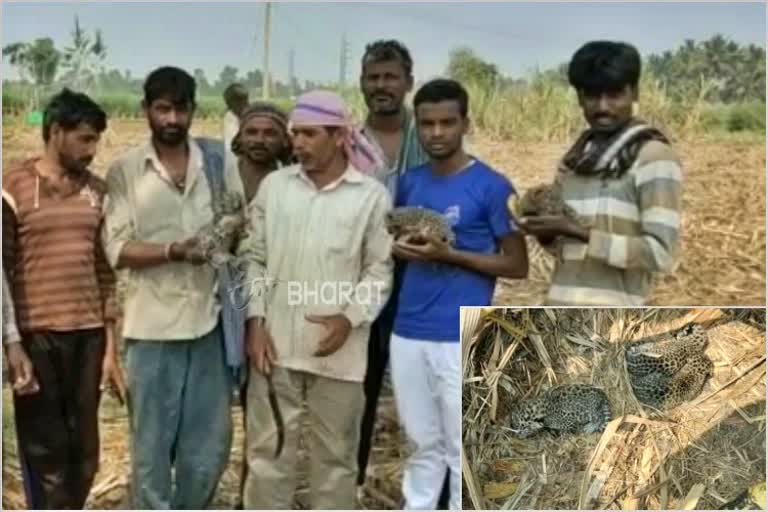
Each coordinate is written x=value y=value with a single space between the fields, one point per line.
x=179 y=403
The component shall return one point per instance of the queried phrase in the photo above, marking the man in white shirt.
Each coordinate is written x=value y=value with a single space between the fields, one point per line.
x=320 y=239
x=236 y=99
x=159 y=197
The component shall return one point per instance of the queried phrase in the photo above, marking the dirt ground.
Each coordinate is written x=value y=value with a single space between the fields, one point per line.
x=722 y=257
x=110 y=489
x=382 y=490
x=723 y=262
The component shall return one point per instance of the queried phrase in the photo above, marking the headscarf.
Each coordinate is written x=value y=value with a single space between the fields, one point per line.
x=274 y=114
x=325 y=108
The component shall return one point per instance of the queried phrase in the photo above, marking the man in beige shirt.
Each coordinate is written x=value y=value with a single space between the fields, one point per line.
x=323 y=272
x=179 y=387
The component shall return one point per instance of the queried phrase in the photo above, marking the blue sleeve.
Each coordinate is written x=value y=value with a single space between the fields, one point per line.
x=501 y=220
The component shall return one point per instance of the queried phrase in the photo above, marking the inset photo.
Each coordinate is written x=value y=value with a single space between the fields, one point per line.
x=622 y=409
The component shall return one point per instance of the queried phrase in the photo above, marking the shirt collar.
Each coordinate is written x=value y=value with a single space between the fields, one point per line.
x=351 y=175
x=194 y=167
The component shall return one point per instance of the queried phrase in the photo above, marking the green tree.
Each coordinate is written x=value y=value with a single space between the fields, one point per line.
x=84 y=59
x=202 y=82
x=465 y=66
x=732 y=73
x=37 y=62
x=227 y=76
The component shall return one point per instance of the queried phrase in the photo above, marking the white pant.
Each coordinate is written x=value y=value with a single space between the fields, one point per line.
x=426 y=377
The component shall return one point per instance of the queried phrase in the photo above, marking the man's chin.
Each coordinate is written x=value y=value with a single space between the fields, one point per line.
x=171 y=140
x=440 y=155
x=261 y=159
x=385 y=110
x=608 y=128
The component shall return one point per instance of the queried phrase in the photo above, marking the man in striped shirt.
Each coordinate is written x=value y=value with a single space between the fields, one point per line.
x=64 y=294
x=624 y=181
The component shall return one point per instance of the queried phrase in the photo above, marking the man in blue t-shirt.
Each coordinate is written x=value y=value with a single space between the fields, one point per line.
x=438 y=279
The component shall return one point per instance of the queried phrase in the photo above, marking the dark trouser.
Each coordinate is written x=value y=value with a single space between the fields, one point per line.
x=244 y=469
x=378 y=357
x=57 y=427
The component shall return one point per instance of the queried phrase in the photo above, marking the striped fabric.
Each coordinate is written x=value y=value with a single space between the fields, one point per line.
x=411 y=154
x=58 y=273
x=635 y=230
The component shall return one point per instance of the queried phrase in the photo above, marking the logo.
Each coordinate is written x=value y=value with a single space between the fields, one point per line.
x=452 y=215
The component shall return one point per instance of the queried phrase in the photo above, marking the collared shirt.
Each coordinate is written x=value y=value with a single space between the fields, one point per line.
x=59 y=277
x=10 y=331
x=635 y=232
x=175 y=300
x=230 y=128
x=320 y=252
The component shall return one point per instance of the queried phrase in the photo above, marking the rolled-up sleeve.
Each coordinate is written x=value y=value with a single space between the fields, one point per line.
x=254 y=248
x=375 y=286
x=118 y=227
x=10 y=331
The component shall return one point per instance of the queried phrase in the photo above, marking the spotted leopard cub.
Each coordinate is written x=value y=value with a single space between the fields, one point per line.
x=546 y=200
x=217 y=239
x=421 y=224
x=568 y=408
x=670 y=371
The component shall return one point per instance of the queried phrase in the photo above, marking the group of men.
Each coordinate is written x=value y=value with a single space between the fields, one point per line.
x=318 y=190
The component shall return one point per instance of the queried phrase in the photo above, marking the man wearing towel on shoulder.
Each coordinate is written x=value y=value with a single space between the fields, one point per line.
x=323 y=251
x=624 y=181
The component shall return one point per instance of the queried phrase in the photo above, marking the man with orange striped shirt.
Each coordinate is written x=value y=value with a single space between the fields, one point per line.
x=64 y=294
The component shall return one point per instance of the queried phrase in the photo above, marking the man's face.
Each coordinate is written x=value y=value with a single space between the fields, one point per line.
x=384 y=85
x=75 y=148
x=169 y=121
x=441 y=128
x=316 y=146
x=237 y=103
x=607 y=111
x=261 y=141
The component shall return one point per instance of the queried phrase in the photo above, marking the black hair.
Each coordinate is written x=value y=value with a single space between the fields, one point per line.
x=69 y=109
x=386 y=50
x=442 y=89
x=172 y=83
x=235 y=91
x=601 y=66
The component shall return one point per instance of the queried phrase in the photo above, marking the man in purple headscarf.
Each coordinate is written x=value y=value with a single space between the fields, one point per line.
x=321 y=242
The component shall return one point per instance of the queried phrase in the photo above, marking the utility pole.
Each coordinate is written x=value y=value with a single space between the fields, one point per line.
x=266 y=79
x=343 y=58
x=291 y=71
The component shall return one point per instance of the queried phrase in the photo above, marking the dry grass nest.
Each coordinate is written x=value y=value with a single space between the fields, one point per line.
x=698 y=455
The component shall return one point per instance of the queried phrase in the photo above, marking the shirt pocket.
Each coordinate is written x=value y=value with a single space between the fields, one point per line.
x=342 y=236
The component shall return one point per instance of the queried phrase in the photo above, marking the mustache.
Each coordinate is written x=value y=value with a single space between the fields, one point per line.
x=257 y=145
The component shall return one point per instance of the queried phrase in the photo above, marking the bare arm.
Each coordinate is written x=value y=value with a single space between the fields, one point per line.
x=511 y=262
x=118 y=235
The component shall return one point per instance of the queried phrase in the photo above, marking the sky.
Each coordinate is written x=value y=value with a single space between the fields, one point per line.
x=517 y=37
